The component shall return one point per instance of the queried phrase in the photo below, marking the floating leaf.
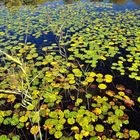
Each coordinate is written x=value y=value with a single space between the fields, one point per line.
x=23 y=119
x=119 y=112
x=71 y=121
x=138 y=99
x=34 y=129
x=119 y=135
x=129 y=102
x=92 y=74
x=1 y=119
x=116 y=127
x=4 y=137
x=102 y=86
x=75 y=129
x=59 y=127
x=99 y=128
x=134 y=134
x=110 y=93
x=58 y=134
x=120 y=87
x=77 y=72
x=94 y=138
x=108 y=78
x=97 y=111
x=89 y=79
x=78 y=136
x=16 y=137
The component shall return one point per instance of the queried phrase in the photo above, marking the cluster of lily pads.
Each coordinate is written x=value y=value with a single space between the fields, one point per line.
x=52 y=83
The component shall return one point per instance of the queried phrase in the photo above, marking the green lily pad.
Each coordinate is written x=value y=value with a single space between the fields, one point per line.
x=99 y=128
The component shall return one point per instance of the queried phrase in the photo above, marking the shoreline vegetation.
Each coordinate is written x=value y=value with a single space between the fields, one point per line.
x=10 y=3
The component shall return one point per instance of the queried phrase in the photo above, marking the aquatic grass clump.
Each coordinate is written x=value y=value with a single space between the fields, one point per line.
x=53 y=78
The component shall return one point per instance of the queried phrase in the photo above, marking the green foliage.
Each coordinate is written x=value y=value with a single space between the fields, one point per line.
x=4 y=137
x=119 y=112
x=134 y=134
x=58 y=134
x=58 y=87
x=116 y=127
x=71 y=121
x=99 y=128
x=16 y=137
x=138 y=99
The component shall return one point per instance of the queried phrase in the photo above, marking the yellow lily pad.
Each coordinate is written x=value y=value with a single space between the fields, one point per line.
x=102 y=86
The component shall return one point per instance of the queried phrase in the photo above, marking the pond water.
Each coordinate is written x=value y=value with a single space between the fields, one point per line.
x=118 y=4
x=64 y=64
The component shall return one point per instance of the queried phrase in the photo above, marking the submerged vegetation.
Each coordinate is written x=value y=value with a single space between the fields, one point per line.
x=60 y=70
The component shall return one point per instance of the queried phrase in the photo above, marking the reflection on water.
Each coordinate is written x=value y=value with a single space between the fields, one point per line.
x=121 y=2
x=137 y=2
x=10 y=3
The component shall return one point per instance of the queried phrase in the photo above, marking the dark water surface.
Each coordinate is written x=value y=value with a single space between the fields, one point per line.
x=117 y=4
